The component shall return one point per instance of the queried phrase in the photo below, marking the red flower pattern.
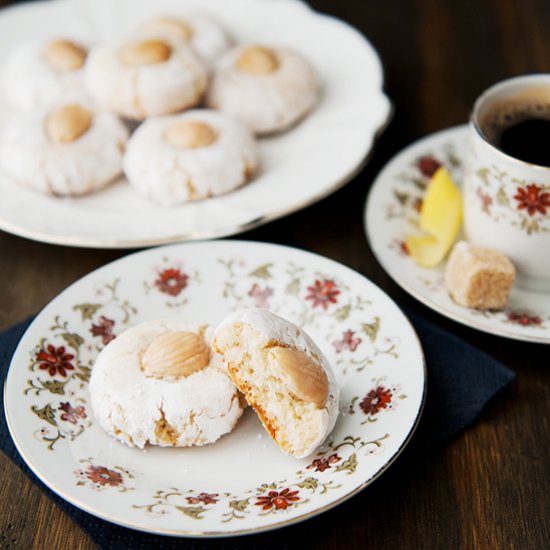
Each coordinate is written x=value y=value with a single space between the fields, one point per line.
x=428 y=165
x=486 y=201
x=103 y=476
x=323 y=293
x=261 y=295
x=347 y=342
x=524 y=319
x=281 y=501
x=376 y=400
x=55 y=360
x=205 y=498
x=104 y=329
x=532 y=199
x=404 y=249
x=322 y=464
x=171 y=281
x=72 y=414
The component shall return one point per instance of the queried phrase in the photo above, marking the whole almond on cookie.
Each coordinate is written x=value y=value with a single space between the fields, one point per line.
x=188 y=134
x=64 y=55
x=305 y=377
x=66 y=124
x=175 y=354
x=257 y=60
x=147 y=52
x=178 y=27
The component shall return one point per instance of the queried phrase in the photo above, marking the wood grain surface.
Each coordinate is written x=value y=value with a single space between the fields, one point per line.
x=489 y=487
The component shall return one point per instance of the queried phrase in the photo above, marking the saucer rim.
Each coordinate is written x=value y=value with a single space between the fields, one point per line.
x=453 y=132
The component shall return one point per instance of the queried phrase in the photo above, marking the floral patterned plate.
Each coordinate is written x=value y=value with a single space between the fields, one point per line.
x=391 y=214
x=242 y=483
x=297 y=168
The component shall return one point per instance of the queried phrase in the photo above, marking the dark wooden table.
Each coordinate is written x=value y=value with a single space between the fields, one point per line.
x=489 y=487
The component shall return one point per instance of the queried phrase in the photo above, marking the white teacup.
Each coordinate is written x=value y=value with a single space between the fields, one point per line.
x=507 y=200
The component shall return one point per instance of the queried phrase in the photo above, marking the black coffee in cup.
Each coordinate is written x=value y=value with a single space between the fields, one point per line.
x=520 y=126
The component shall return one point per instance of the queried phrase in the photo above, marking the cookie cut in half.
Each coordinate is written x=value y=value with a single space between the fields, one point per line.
x=159 y=383
x=284 y=376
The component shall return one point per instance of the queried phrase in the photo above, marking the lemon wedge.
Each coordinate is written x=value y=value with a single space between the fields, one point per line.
x=440 y=218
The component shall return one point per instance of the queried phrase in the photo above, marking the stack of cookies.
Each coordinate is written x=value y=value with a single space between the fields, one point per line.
x=172 y=105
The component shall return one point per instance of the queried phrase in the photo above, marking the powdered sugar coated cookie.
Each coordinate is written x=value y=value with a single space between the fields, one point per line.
x=284 y=376
x=181 y=158
x=205 y=35
x=143 y=77
x=268 y=89
x=158 y=383
x=71 y=149
x=39 y=73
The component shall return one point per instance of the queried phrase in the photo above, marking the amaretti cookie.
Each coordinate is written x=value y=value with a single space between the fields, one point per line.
x=207 y=38
x=159 y=383
x=479 y=277
x=284 y=376
x=38 y=74
x=269 y=89
x=67 y=150
x=143 y=77
x=186 y=157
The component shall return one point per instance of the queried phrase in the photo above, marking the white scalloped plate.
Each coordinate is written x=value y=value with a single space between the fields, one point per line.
x=299 y=167
x=391 y=214
x=243 y=483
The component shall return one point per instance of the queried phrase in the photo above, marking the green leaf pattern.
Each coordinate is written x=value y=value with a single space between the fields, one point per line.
x=78 y=344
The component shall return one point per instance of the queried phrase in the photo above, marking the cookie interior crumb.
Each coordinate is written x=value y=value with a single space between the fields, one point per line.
x=294 y=423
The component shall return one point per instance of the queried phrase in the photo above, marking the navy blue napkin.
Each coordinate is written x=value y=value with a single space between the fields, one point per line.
x=461 y=380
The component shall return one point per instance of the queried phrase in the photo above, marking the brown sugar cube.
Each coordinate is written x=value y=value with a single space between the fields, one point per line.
x=479 y=277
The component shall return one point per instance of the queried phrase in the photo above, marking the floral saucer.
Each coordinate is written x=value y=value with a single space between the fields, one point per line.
x=243 y=483
x=391 y=214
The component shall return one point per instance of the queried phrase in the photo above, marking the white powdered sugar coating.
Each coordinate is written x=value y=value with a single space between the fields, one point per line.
x=269 y=330
x=208 y=39
x=85 y=165
x=29 y=82
x=266 y=103
x=137 y=92
x=172 y=175
x=200 y=408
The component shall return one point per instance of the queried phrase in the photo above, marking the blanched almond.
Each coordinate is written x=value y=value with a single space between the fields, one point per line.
x=177 y=27
x=257 y=60
x=64 y=55
x=306 y=379
x=146 y=52
x=189 y=134
x=66 y=124
x=175 y=354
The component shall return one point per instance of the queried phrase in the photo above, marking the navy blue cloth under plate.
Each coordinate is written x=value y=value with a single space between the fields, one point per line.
x=461 y=380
